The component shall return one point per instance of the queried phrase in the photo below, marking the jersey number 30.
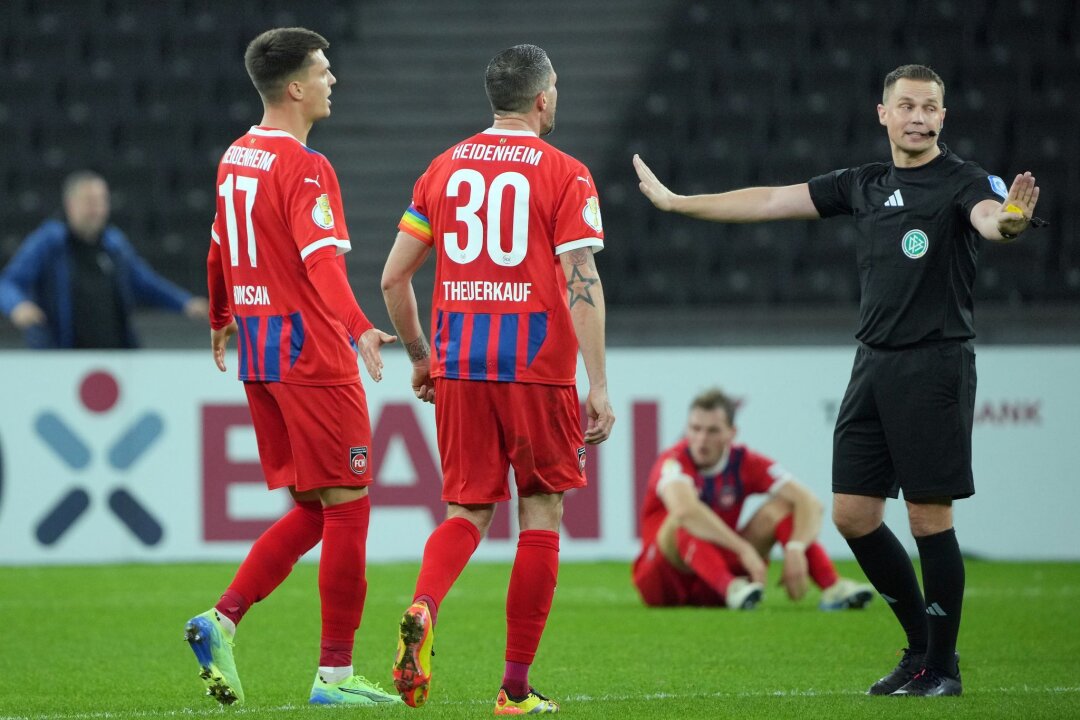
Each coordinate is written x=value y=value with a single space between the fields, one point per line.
x=468 y=213
x=248 y=186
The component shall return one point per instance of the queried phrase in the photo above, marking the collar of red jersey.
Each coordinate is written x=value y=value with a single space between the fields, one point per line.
x=271 y=132
x=517 y=133
x=719 y=467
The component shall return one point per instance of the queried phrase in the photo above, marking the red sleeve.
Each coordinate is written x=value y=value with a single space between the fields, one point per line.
x=755 y=473
x=577 y=217
x=313 y=205
x=220 y=314
x=327 y=274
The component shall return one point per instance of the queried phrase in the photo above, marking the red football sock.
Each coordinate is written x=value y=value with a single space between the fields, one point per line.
x=342 y=585
x=705 y=559
x=446 y=554
x=528 y=599
x=822 y=571
x=271 y=558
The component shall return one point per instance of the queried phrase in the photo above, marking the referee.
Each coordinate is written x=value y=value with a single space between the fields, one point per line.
x=905 y=422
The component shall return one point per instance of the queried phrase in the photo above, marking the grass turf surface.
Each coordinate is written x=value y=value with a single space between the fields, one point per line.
x=105 y=642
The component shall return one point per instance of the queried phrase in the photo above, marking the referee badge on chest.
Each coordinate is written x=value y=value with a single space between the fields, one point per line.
x=358 y=460
x=915 y=244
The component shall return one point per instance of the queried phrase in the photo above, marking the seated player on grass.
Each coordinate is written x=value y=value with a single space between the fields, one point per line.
x=692 y=550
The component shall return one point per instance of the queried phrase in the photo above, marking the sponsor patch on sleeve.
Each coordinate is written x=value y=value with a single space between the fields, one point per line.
x=321 y=213
x=998 y=186
x=591 y=214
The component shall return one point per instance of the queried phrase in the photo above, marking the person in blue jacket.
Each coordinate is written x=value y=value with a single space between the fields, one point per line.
x=73 y=283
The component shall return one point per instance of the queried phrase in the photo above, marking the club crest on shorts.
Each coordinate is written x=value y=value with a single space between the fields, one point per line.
x=581 y=459
x=358 y=459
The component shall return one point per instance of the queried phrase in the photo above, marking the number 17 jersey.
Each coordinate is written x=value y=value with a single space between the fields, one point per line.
x=498 y=209
x=278 y=208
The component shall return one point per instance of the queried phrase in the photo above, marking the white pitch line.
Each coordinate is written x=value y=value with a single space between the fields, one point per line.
x=217 y=710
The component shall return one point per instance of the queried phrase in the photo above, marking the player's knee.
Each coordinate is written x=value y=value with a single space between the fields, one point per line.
x=852 y=525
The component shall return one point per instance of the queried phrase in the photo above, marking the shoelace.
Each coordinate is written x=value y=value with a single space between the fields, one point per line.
x=375 y=685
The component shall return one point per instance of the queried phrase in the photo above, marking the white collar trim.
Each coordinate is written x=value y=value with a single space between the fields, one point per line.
x=516 y=133
x=256 y=130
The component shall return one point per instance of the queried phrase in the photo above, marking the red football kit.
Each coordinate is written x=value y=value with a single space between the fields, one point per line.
x=275 y=266
x=724 y=490
x=498 y=209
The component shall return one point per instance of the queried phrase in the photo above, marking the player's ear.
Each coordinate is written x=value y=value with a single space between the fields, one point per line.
x=541 y=100
x=881 y=114
x=295 y=90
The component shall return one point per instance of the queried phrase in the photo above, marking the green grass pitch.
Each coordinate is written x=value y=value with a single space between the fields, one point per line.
x=105 y=642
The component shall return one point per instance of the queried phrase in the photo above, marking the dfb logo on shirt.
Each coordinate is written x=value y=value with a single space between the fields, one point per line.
x=358 y=460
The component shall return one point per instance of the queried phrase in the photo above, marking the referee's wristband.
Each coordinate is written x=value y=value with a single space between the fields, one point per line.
x=795 y=545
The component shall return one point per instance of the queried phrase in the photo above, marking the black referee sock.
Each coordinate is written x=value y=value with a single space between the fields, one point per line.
x=889 y=569
x=943 y=578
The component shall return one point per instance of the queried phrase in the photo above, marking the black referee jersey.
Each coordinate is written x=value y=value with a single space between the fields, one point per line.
x=917 y=247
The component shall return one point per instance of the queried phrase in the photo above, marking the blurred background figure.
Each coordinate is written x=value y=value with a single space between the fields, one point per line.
x=74 y=282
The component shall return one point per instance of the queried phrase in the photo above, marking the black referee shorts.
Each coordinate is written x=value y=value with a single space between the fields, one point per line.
x=905 y=423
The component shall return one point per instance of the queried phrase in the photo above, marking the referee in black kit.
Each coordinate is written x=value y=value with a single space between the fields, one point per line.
x=905 y=422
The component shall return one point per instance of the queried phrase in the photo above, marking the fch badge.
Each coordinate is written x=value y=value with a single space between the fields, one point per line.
x=358 y=459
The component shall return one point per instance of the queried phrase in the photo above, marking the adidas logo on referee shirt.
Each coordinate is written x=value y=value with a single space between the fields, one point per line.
x=895 y=200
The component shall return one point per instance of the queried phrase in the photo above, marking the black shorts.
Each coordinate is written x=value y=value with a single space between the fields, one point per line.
x=905 y=423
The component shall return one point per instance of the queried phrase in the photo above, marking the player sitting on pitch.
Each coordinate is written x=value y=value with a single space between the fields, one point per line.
x=691 y=551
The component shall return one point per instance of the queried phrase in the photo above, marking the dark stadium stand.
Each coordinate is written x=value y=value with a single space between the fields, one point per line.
x=741 y=92
x=790 y=89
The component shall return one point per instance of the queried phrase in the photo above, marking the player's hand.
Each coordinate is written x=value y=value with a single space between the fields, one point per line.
x=601 y=416
x=197 y=308
x=652 y=188
x=27 y=314
x=796 y=573
x=218 y=340
x=754 y=564
x=1015 y=213
x=422 y=385
x=370 y=344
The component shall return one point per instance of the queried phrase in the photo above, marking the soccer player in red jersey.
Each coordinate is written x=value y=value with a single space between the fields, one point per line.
x=277 y=280
x=693 y=551
x=513 y=223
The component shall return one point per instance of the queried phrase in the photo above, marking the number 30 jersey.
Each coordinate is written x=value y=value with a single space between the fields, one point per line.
x=278 y=203
x=498 y=209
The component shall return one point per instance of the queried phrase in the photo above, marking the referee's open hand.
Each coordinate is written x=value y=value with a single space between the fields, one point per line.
x=652 y=188
x=1016 y=212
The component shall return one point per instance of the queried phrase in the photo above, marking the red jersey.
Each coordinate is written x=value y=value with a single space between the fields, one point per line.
x=499 y=208
x=278 y=202
x=744 y=473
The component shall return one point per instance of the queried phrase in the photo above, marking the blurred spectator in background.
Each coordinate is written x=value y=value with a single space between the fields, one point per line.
x=693 y=552
x=74 y=282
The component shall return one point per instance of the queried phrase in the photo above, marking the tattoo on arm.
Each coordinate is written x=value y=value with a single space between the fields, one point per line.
x=418 y=349
x=580 y=286
x=580 y=256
